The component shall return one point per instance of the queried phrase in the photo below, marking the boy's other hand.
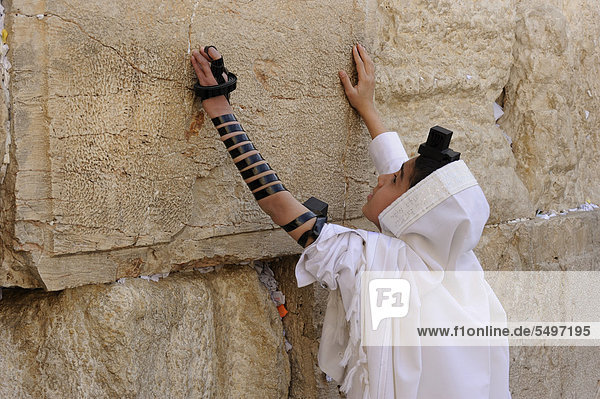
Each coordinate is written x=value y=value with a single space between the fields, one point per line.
x=361 y=95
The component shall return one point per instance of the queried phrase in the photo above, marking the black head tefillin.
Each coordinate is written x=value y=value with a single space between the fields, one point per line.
x=436 y=149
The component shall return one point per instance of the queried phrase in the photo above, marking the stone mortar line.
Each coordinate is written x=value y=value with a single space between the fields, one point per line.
x=136 y=237
x=521 y=220
x=131 y=64
x=161 y=244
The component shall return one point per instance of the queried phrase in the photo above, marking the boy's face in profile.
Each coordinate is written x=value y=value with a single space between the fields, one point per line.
x=389 y=187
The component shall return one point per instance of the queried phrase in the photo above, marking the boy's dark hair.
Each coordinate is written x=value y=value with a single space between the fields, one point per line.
x=423 y=168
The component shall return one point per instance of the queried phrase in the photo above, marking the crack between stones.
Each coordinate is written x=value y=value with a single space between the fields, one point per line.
x=346 y=176
x=519 y=221
x=190 y=27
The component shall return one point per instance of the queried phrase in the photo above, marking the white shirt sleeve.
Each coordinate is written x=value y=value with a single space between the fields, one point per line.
x=387 y=152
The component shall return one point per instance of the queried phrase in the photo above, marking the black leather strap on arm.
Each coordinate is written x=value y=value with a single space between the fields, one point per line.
x=230 y=129
x=251 y=160
x=299 y=221
x=235 y=140
x=265 y=192
x=314 y=232
x=244 y=148
x=261 y=181
x=219 y=120
x=263 y=167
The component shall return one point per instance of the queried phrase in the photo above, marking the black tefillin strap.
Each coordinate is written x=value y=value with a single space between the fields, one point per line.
x=313 y=232
x=241 y=137
x=219 y=120
x=317 y=208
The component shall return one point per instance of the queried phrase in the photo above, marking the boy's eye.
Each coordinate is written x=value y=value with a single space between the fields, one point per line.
x=395 y=178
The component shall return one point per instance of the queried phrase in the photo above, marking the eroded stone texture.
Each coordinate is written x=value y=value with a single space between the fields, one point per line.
x=444 y=63
x=552 y=101
x=214 y=335
x=114 y=154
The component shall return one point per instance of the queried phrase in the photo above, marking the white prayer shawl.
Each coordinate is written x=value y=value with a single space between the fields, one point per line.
x=435 y=235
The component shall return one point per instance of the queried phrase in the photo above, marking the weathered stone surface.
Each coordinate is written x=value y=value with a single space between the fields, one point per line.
x=444 y=63
x=569 y=242
x=552 y=101
x=214 y=335
x=555 y=372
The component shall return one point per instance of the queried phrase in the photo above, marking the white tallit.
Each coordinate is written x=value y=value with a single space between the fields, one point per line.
x=432 y=230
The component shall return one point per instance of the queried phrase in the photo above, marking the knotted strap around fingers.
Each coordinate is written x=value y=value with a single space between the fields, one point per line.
x=223 y=87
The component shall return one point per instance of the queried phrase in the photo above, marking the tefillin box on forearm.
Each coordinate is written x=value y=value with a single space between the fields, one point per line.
x=317 y=206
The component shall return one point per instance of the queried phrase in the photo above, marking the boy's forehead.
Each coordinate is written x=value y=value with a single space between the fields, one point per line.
x=407 y=165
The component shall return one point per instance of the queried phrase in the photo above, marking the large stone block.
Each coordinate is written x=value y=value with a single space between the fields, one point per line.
x=444 y=63
x=552 y=101
x=213 y=335
x=114 y=164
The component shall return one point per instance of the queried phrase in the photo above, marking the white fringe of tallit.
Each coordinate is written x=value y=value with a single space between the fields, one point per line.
x=354 y=343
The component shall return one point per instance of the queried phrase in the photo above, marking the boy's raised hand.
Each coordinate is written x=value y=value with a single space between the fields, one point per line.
x=214 y=106
x=361 y=95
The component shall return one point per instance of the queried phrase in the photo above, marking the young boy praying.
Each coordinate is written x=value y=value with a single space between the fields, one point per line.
x=430 y=212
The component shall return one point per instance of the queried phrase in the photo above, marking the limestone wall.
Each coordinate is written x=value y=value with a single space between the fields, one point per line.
x=113 y=163
x=110 y=169
x=184 y=336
